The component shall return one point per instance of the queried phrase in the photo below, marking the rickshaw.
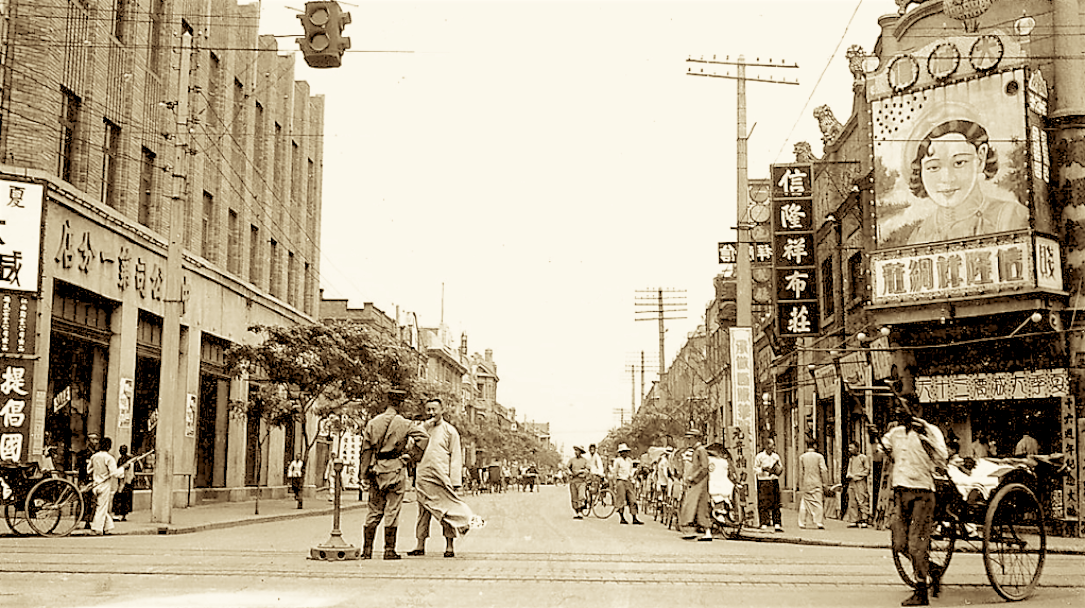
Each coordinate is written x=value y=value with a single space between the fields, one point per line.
x=992 y=506
x=725 y=496
x=38 y=502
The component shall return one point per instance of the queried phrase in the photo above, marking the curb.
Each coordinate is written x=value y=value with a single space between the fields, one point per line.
x=885 y=546
x=234 y=523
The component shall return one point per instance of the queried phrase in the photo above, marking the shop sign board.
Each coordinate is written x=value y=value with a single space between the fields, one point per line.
x=21 y=227
x=16 y=388
x=1024 y=384
x=1068 y=441
x=742 y=401
x=796 y=272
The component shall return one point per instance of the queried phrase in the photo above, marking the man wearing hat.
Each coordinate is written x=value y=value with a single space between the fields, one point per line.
x=624 y=495
x=579 y=467
x=389 y=443
x=694 y=516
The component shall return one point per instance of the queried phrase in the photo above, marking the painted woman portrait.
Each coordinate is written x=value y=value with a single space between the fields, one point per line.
x=953 y=168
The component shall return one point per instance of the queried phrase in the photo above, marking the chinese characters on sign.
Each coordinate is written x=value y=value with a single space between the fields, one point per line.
x=15 y=384
x=1025 y=384
x=742 y=398
x=1068 y=440
x=18 y=316
x=793 y=249
x=20 y=235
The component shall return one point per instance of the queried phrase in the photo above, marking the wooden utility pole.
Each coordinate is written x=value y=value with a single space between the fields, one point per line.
x=654 y=305
x=743 y=406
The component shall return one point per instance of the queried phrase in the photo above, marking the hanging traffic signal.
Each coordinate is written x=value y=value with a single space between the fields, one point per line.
x=324 y=43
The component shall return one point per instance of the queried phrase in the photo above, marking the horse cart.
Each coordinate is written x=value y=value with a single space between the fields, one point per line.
x=38 y=502
x=992 y=506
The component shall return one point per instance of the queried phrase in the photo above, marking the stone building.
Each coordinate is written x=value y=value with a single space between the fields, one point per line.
x=132 y=131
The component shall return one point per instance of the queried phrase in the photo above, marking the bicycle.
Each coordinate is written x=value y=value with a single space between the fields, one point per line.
x=600 y=501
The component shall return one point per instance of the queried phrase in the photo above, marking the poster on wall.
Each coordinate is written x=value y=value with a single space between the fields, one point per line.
x=952 y=161
x=124 y=404
x=21 y=229
x=190 y=416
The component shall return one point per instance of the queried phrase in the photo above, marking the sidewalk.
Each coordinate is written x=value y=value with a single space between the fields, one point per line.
x=838 y=534
x=218 y=515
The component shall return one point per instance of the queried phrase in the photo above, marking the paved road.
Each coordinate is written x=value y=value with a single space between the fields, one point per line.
x=531 y=553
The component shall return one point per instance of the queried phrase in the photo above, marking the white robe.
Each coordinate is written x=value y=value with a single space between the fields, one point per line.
x=439 y=471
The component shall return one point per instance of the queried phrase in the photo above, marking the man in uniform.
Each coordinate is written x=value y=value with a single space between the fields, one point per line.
x=389 y=442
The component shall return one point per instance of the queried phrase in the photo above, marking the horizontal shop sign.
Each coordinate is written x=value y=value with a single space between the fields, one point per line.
x=1024 y=384
x=988 y=266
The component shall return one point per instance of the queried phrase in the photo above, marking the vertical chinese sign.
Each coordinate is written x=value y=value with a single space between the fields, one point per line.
x=742 y=435
x=21 y=228
x=793 y=249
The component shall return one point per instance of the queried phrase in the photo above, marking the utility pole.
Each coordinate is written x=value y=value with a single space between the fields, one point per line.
x=633 y=372
x=743 y=407
x=653 y=302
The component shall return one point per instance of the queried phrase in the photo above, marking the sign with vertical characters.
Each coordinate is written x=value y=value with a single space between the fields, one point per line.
x=796 y=280
x=16 y=386
x=1068 y=442
x=20 y=235
x=744 y=432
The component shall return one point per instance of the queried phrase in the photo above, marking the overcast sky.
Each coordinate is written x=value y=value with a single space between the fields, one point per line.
x=544 y=161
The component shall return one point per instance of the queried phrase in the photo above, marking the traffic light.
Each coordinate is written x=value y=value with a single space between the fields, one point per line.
x=324 y=43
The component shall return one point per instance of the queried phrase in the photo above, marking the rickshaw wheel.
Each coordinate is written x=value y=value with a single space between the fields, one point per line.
x=603 y=507
x=54 y=507
x=943 y=540
x=16 y=520
x=1014 y=542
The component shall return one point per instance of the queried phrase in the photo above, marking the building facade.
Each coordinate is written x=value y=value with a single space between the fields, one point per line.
x=125 y=126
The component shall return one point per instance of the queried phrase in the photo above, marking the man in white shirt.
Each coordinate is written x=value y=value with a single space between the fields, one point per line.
x=104 y=473
x=624 y=494
x=597 y=471
x=917 y=448
x=767 y=466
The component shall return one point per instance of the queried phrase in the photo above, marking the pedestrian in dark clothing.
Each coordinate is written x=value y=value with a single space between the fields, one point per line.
x=122 y=500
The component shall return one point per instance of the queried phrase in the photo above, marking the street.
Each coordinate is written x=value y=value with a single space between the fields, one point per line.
x=531 y=553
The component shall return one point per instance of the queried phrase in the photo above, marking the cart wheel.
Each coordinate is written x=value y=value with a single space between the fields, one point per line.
x=604 y=505
x=943 y=539
x=1014 y=542
x=16 y=519
x=54 y=507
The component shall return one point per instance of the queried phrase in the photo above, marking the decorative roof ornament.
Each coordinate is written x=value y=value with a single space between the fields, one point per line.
x=829 y=125
x=967 y=11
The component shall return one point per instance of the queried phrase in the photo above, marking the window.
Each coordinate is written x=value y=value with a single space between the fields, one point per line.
x=69 y=124
x=254 y=255
x=110 y=158
x=277 y=162
x=233 y=244
x=295 y=174
x=828 y=303
x=120 y=15
x=207 y=243
x=238 y=124
x=146 y=187
x=260 y=142
x=275 y=283
x=158 y=45
x=306 y=301
x=291 y=280
x=856 y=277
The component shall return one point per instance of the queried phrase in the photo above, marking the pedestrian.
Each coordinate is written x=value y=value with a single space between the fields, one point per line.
x=122 y=500
x=813 y=479
x=579 y=469
x=598 y=471
x=624 y=493
x=389 y=442
x=329 y=475
x=438 y=480
x=104 y=473
x=768 y=468
x=532 y=478
x=694 y=517
x=293 y=475
x=917 y=449
x=83 y=475
x=858 y=475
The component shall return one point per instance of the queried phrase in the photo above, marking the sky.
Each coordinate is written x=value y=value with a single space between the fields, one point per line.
x=522 y=170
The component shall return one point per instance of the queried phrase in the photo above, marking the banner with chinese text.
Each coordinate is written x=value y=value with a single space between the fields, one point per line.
x=21 y=229
x=1024 y=384
x=742 y=401
x=796 y=289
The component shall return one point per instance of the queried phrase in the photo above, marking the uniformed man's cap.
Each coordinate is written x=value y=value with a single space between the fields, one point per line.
x=397 y=394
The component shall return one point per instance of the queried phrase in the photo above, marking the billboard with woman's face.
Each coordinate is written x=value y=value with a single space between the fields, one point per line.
x=951 y=162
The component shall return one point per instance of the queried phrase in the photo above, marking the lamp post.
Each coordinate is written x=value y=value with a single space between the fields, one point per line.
x=335 y=548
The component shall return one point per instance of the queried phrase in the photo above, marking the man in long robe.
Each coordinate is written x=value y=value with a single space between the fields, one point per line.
x=386 y=449
x=438 y=479
x=694 y=516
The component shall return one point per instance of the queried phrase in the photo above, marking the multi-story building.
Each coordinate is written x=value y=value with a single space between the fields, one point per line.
x=128 y=126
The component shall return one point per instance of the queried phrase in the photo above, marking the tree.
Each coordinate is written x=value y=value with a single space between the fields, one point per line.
x=267 y=407
x=342 y=369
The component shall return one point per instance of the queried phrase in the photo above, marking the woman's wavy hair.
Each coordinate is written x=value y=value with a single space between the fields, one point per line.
x=973 y=134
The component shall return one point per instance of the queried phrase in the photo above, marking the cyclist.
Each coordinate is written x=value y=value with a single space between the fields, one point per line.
x=579 y=469
x=597 y=470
